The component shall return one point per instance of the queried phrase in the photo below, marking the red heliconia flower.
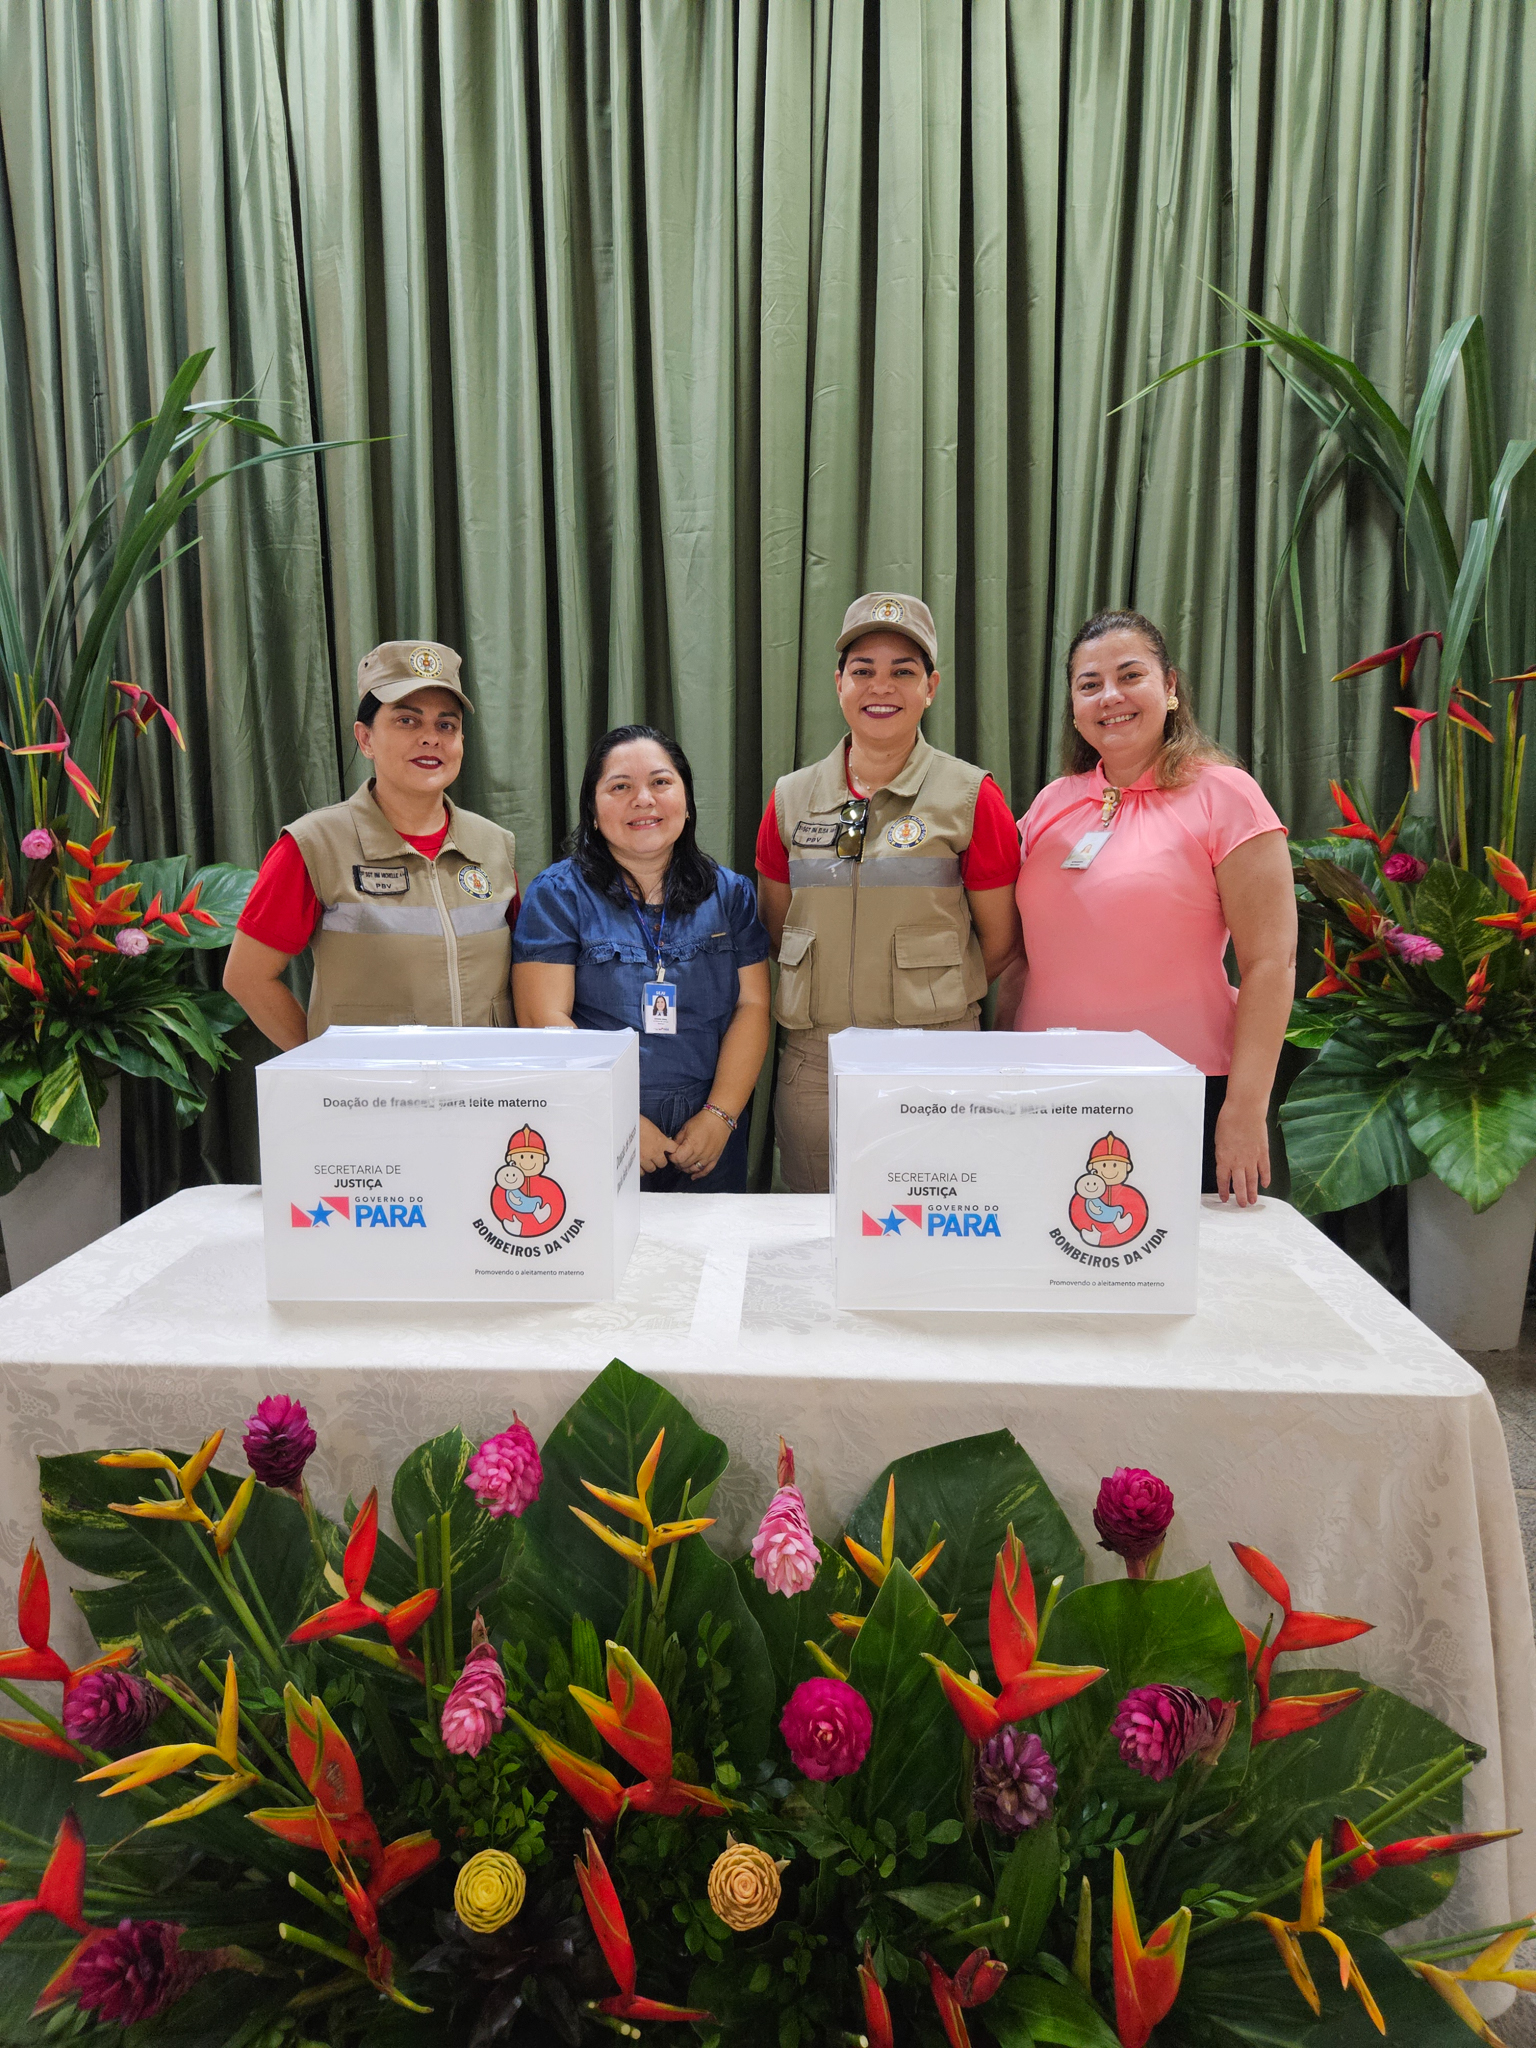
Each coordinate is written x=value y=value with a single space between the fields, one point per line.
x=61 y=1888
x=142 y=708
x=1511 y=879
x=1416 y=744
x=978 y=1978
x=1393 y=1855
x=1298 y=1631
x=1459 y=713
x=399 y=1623
x=1406 y=656
x=1029 y=1686
x=612 y=1931
x=1147 y=1973
x=877 y=2011
x=1477 y=985
x=37 y=1662
x=1333 y=983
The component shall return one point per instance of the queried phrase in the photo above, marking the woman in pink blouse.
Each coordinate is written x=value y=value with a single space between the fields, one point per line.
x=1139 y=863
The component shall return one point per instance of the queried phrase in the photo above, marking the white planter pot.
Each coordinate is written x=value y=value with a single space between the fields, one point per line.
x=73 y=1198
x=1467 y=1273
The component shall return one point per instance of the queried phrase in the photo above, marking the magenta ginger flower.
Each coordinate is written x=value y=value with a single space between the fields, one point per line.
x=38 y=843
x=1014 y=1781
x=1159 y=1727
x=1414 y=950
x=1132 y=1514
x=505 y=1474
x=477 y=1707
x=1403 y=867
x=134 y=1972
x=826 y=1728
x=279 y=1442
x=110 y=1710
x=784 y=1553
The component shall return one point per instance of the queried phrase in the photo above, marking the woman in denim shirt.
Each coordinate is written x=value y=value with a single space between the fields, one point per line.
x=637 y=890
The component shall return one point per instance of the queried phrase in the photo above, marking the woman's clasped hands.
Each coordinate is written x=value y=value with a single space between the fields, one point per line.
x=696 y=1149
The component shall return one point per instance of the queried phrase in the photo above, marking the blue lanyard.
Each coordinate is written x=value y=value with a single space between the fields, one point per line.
x=645 y=930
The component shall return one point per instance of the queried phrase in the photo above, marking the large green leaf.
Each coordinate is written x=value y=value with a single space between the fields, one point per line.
x=1237 y=1994
x=916 y=1751
x=1446 y=907
x=1297 y=1787
x=970 y=1490
x=1027 y=1889
x=1043 y=2009
x=165 y=1568
x=560 y=1568
x=427 y=1486
x=704 y=1584
x=222 y=890
x=787 y=1620
x=1476 y=1131
x=1143 y=1632
x=1345 y=1136
x=61 y=1104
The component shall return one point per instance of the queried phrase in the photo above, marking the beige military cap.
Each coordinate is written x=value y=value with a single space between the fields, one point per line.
x=398 y=667
x=893 y=611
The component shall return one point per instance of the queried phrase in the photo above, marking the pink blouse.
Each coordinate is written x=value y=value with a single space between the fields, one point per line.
x=1136 y=941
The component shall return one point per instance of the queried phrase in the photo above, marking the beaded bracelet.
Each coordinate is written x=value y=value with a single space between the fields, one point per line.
x=715 y=1110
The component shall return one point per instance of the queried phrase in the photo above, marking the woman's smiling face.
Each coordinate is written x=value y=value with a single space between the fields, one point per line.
x=640 y=801
x=416 y=745
x=1120 y=695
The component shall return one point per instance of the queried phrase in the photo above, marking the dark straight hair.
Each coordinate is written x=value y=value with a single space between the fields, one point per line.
x=692 y=874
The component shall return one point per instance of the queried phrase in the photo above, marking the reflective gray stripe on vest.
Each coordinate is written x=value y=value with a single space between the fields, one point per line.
x=407 y=921
x=899 y=871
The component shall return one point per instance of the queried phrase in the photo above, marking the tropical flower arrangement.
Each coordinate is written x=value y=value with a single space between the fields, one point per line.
x=96 y=953
x=542 y=1767
x=1425 y=1010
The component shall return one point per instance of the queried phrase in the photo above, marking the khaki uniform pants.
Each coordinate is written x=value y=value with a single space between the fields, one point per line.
x=801 y=1109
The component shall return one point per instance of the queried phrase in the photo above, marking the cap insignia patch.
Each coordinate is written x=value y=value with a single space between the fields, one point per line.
x=888 y=610
x=426 y=661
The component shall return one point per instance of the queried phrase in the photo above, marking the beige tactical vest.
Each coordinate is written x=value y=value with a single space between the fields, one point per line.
x=886 y=940
x=405 y=940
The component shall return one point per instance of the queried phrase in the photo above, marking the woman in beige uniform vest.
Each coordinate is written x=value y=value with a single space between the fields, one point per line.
x=885 y=874
x=405 y=901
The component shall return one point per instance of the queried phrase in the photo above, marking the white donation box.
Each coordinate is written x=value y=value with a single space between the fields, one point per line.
x=418 y=1164
x=1055 y=1170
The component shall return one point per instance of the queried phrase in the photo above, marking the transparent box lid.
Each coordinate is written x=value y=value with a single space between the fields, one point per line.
x=961 y=1053
x=468 y=1047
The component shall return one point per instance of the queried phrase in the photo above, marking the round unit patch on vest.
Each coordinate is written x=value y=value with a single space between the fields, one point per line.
x=888 y=611
x=426 y=661
x=905 y=833
x=475 y=882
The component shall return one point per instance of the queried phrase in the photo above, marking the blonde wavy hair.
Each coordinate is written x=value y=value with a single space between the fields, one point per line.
x=1186 y=746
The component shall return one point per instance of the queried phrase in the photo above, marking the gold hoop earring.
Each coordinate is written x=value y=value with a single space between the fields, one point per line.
x=1173 y=704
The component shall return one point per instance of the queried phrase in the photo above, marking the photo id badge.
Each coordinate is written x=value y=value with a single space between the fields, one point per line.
x=658 y=1008
x=1082 y=855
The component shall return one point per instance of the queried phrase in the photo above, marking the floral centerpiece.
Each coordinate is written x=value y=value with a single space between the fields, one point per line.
x=540 y=1766
x=96 y=953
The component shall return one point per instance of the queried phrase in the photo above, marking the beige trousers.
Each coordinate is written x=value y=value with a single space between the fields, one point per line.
x=800 y=1106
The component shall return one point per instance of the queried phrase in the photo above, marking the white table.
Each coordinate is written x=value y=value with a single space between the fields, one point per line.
x=1303 y=1410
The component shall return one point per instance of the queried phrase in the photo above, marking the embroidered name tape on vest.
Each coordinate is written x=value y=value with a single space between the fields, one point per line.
x=372 y=881
x=812 y=832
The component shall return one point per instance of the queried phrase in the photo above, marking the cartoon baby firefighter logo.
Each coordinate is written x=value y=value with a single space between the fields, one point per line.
x=525 y=1201
x=1106 y=1210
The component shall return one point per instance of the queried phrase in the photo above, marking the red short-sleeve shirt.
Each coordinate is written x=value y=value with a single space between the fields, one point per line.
x=991 y=861
x=283 y=910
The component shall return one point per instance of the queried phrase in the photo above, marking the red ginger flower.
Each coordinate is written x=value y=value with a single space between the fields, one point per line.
x=1297 y=1631
x=36 y=1661
x=399 y=1623
x=877 y=2011
x=612 y=1931
x=1029 y=1686
x=784 y=1553
x=1394 y=1855
x=978 y=1978
x=1147 y=1974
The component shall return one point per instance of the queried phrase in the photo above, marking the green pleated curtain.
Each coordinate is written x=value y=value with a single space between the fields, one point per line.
x=665 y=326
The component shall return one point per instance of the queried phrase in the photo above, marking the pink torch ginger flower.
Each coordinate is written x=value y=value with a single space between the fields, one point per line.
x=133 y=1973
x=1403 y=867
x=1159 y=1727
x=1132 y=1514
x=826 y=1728
x=133 y=945
x=784 y=1553
x=476 y=1708
x=505 y=1474
x=1413 y=950
x=38 y=843
x=279 y=1442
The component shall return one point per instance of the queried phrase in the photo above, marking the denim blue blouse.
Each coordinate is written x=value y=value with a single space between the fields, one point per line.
x=565 y=922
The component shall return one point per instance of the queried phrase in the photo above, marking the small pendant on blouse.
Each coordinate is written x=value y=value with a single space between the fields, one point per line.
x=1111 y=803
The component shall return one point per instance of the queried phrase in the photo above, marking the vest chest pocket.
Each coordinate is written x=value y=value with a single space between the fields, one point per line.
x=797 y=950
x=927 y=985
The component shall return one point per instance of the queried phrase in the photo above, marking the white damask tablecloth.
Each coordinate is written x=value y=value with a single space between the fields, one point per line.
x=1302 y=1410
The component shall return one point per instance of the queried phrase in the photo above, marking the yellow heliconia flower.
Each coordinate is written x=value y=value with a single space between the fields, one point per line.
x=145 y=1766
x=1487 y=1968
x=636 y=1508
x=1309 y=1920
x=876 y=1569
x=188 y=1478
